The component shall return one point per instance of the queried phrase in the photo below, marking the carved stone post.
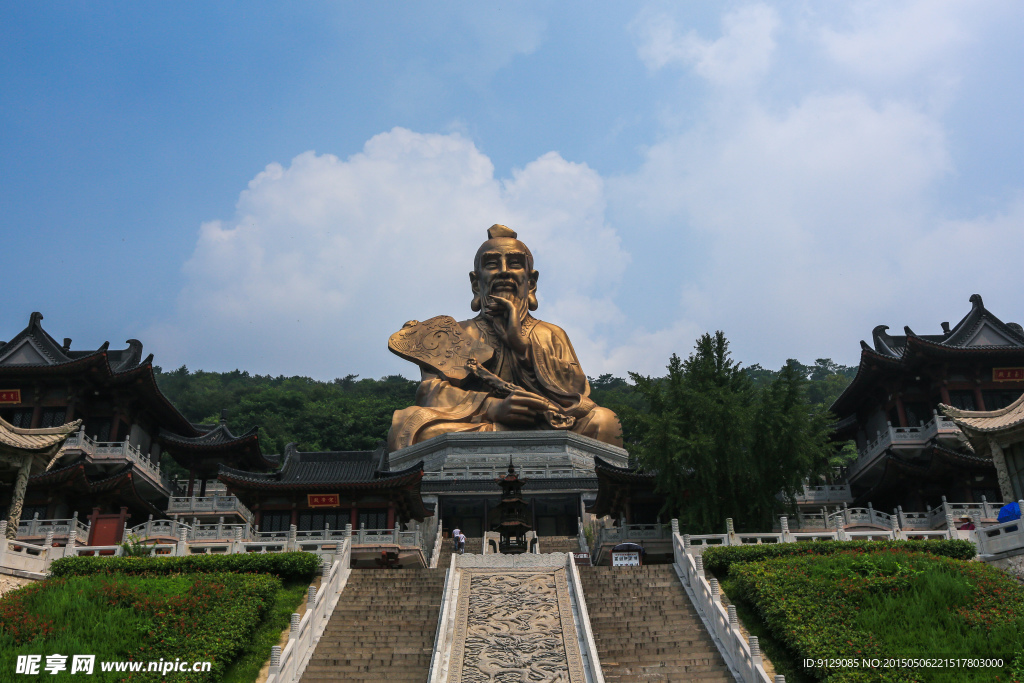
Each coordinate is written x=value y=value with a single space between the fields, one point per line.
x=784 y=525
x=182 y=540
x=311 y=597
x=675 y=526
x=700 y=565
x=686 y=542
x=734 y=620
x=730 y=529
x=293 y=535
x=295 y=624
x=715 y=591
x=755 y=651
x=275 y=656
x=18 y=497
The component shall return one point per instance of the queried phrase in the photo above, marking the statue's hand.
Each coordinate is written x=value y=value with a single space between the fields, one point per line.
x=507 y=320
x=518 y=408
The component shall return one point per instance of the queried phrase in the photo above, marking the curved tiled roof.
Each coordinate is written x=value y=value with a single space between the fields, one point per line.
x=325 y=469
x=40 y=349
x=34 y=440
x=978 y=333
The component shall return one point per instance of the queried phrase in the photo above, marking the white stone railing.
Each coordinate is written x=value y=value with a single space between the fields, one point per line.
x=743 y=656
x=581 y=536
x=825 y=494
x=435 y=554
x=932 y=519
x=631 y=532
x=907 y=436
x=1001 y=538
x=209 y=505
x=117 y=450
x=71 y=530
x=288 y=664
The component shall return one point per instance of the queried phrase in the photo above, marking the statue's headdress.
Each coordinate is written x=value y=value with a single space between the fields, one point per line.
x=502 y=234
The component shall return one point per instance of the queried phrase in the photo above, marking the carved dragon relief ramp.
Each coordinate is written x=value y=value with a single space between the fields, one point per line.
x=512 y=624
x=515 y=626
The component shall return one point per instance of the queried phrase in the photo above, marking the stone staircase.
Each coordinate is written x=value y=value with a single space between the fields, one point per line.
x=383 y=627
x=646 y=628
x=444 y=558
x=559 y=544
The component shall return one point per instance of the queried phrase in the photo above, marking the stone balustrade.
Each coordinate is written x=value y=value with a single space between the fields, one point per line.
x=210 y=504
x=929 y=520
x=631 y=532
x=939 y=425
x=67 y=530
x=99 y=451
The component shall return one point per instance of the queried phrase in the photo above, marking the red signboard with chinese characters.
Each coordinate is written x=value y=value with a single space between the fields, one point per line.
x=1008 y=374
x=323 y=500
x=10 y=395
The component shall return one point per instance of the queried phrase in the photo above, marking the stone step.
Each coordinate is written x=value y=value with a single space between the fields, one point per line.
x=645 y=627
x=382 y=629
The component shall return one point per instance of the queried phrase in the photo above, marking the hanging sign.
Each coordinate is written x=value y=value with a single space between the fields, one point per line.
x=582 y=559
x=10 y=395
x=1007 y=374
x=629 y=558
x=323 y=500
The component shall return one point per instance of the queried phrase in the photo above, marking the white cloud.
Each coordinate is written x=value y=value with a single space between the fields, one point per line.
x=742 y=53
x=808 y=217
x=892 y=41
x=325 y=258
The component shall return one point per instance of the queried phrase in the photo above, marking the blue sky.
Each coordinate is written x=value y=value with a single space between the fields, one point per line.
x=278 y=187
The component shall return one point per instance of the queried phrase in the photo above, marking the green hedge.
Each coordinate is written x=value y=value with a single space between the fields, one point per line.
x=203 y=617
x=296 y=566
x=850 y=607
x=719 y=559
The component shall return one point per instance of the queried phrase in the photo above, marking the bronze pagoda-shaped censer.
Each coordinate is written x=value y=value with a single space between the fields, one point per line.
x=513 y=513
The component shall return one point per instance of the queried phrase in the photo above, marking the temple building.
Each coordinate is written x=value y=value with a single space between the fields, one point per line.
x=909 y=454
x=114 y=463
x=999 y=435
x=325 y=490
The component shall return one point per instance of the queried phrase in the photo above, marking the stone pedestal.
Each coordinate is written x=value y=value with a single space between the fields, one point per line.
x=484 y=456
x=461 y=472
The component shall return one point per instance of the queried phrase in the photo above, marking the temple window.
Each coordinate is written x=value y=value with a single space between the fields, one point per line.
x=963 y=399
x=373 y=519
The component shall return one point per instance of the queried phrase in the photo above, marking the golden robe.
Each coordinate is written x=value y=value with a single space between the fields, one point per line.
x=550 y=369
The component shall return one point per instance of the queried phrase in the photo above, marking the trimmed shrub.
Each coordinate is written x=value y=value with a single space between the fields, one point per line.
x=297 y=566
x=854 y=606
x=120 y=618
x=719 y=559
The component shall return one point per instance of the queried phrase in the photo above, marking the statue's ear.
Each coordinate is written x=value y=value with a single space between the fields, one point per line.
x=531 y=301
x=474 y=305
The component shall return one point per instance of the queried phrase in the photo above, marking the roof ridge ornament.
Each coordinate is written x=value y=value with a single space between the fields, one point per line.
x=976 y=301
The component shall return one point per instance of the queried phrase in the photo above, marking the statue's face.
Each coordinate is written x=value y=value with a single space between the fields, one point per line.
x=503 y=270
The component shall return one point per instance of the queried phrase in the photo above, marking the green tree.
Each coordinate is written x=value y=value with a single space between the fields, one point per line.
x=724 y=447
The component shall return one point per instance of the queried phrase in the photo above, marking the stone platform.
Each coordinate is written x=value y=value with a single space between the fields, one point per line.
x=484 y=456
x=460 y=470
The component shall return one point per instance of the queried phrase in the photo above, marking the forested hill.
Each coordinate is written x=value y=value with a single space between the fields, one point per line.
x=354 y=414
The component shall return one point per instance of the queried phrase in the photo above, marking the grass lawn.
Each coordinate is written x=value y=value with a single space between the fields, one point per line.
x=886 y=604
x=216 y=617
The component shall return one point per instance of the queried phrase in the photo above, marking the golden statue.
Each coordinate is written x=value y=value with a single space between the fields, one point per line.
x=502 y=370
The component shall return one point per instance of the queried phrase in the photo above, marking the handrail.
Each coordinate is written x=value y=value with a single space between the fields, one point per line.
x=288 y=664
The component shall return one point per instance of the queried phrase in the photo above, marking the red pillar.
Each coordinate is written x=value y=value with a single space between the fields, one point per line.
x=391 y=515
x=295 y=515
x=978 y=399
x=355 y=517
x=944 y=394
x=900 y=411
